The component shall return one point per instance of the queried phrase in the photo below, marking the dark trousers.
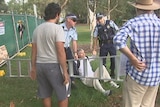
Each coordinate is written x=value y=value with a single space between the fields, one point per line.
x=104 y=50
x=69 y=55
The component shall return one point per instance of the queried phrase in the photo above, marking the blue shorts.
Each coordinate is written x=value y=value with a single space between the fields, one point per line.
x=49 y=77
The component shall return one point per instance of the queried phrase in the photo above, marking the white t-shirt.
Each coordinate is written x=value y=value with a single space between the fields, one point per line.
x=90 y=72
x=45 y=36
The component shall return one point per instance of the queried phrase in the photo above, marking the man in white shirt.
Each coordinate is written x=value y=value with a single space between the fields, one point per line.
x=93 y=82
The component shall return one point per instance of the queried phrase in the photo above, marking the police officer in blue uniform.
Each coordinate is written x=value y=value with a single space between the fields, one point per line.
x=104 y=32
x=71 y=36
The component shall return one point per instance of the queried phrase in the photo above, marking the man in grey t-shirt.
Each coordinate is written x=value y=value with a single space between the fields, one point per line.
x=49 y=59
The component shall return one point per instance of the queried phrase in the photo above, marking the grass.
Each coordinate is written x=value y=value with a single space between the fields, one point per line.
x=22 y=91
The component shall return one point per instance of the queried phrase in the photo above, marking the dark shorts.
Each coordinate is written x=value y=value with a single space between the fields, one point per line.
x=50 y=78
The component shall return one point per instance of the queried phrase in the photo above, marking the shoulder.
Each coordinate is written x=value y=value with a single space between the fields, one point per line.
x=63 y=25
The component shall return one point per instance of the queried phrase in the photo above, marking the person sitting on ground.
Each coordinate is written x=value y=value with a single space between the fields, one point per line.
x=90 y=81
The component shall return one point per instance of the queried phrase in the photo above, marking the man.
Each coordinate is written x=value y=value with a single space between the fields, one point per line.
x=89 y=73
x=71 y=36
x=49 y=59
x=142 y=69
x=104 y=32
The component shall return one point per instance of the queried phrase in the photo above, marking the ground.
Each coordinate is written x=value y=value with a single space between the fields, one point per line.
x=118 y=95
x=86 y=48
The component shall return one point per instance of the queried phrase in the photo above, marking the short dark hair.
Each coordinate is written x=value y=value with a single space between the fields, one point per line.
x=51 y=11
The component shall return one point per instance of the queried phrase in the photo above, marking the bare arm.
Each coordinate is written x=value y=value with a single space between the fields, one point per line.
x=62 y=60
x=33 y=61
x=139 y=65
x=74 y=45
x=95 y=40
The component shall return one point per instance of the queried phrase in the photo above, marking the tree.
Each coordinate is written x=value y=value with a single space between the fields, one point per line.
x=78 y=7
x=3 y=7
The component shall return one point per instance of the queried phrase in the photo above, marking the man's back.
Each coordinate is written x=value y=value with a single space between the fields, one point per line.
x=144 y=33
x=46 y=35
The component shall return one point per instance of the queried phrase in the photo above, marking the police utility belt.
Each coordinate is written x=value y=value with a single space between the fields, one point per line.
x=107 y=42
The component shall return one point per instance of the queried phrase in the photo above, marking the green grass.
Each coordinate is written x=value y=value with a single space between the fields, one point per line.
x=83 y=34
x=22 y=91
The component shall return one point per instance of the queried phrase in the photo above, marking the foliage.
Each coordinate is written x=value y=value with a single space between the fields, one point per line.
x=3 y=7
x=79 y=7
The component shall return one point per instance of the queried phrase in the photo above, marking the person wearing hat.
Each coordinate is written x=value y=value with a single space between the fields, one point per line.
x=142 y=69
x=71 y=36
x=104 y=32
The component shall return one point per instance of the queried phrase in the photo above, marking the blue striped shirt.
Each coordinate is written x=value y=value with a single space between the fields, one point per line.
x=144 y=34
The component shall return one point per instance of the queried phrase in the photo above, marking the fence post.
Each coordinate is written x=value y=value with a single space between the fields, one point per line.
x=15 y=32
x=27 y=28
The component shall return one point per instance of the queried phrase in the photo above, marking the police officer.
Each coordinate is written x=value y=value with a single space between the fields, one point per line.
x=71 y=36
x=104 y=32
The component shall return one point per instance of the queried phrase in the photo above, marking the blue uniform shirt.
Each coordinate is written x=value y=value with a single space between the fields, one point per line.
x=112 y=24
x=70 y=34
x=144 y=34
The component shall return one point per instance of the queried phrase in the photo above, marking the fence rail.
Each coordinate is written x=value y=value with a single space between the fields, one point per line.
x=22 y=67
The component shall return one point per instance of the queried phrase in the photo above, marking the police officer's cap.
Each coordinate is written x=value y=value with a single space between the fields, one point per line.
x=99 y=16
x=71 y=15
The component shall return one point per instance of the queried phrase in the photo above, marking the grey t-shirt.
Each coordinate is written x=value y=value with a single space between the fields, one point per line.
x=45 y=36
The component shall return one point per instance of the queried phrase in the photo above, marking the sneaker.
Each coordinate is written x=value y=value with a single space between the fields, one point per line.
x=113 y=84
x=107 y=93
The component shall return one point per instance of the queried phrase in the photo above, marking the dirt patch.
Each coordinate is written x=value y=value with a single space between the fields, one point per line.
x=86 y=48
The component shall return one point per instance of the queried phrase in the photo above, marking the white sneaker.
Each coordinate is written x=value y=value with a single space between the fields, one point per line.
x=107 y=93
x=113 y=84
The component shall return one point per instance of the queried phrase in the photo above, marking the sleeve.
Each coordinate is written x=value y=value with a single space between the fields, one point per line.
x=60 y=37
x=91 y=58
x=34 y=36
x=113 y=25
x=120 y=39
x=95 y=32
x=75 y=35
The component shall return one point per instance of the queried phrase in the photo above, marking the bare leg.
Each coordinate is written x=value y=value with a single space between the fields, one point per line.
x=20 y=33
x=63 y=103
x=47 y=102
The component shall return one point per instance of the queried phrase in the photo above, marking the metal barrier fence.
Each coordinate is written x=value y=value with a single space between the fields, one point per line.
x=11 y=35
x=22 y=67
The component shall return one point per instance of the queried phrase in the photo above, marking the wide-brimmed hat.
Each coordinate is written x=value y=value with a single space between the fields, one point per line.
x=146 y=4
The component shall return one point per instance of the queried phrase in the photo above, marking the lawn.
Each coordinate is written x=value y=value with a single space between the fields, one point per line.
x=22 y=91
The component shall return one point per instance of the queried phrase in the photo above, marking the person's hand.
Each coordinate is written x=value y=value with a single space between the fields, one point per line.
x=66 y=78
x=75 y=56
x=139 y=65
x=94 y=52
x=33 y=74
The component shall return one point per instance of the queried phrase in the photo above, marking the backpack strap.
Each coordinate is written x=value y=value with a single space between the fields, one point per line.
x=107 y=23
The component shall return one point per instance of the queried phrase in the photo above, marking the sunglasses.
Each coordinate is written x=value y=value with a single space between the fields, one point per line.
x=74 y=19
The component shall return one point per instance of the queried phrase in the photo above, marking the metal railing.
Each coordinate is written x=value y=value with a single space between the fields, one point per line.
x=22 y=67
